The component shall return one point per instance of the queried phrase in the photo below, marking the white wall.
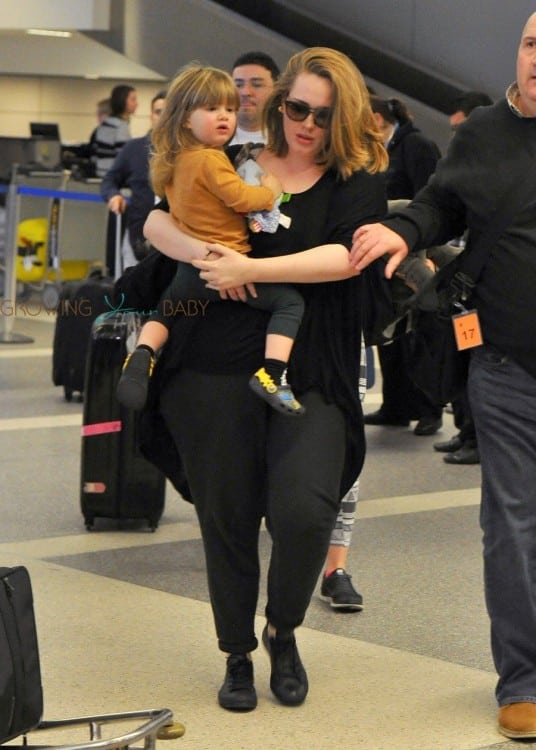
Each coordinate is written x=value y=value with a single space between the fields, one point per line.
x=168 y=33
x=68 y=101
x=55 y=14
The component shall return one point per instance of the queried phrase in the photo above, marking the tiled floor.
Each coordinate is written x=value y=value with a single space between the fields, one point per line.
x=124 y=622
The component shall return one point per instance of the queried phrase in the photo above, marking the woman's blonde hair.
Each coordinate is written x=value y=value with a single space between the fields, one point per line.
x=195 y=86
x=353 y=140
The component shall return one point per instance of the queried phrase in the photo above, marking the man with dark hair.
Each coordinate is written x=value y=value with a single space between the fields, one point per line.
x=463 y=105
x=254 y=74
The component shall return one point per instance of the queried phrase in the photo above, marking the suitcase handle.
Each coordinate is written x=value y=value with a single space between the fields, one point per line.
x=118 y=254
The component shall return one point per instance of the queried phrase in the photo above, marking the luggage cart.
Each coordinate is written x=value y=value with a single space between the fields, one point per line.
x=21 y=694
x=145 y=728
x=24 y=249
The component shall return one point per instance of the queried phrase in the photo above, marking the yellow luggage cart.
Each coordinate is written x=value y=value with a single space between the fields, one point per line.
x=33 y=264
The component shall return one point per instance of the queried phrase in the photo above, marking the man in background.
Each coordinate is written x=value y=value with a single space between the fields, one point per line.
x=254 y=74
x=462 y=448
x=463 y=106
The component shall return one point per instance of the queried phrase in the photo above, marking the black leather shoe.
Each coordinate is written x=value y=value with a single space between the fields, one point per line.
x=237 y=692
x=288 y=681
x=428 y=426
x=449 y=446
x=382 y=419
x=466 y=455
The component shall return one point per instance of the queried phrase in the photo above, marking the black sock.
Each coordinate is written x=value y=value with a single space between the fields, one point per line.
x=275 y=369
x=148 y=348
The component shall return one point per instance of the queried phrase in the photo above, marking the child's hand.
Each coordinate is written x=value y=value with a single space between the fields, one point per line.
x=269 y=181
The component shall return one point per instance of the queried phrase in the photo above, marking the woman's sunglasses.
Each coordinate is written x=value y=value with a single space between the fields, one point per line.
x=300 y=111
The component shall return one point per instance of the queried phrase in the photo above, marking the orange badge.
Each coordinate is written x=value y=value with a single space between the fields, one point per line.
x=467 y=330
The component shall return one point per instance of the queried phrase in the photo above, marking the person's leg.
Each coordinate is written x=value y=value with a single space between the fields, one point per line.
x=153 y=334
x=286 y=306
x=341 y=536
x=463 y=421
x=305 y=460
x=467 y=450
x=428 y=414
x=454 y=443
x=458 y=410
x=394 y=408
x=503 y=401
x=337 y=587
x=185 y=289
x=139 y=364
x=224 y=465
x=467 y=424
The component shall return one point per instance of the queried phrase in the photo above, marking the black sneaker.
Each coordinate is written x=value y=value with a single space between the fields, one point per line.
x=238 y=692
x=134 y=380
x=288 y=680
x=280 y=397
x=338 y=590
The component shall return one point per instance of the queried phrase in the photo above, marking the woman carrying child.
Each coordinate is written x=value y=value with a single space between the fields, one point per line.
x=243 y=460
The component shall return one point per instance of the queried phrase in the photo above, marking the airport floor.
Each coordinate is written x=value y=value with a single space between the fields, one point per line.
x=124 y=621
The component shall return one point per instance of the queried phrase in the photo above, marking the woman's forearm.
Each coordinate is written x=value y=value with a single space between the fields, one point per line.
x=322 y=263
x=162 y=233
x=231 y=270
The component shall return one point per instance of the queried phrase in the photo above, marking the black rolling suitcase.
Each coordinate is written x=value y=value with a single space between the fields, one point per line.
x=116 y=480
x=21 y=694
x=80 y=303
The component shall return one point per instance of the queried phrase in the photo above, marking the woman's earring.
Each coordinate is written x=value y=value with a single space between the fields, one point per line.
x=280 y=108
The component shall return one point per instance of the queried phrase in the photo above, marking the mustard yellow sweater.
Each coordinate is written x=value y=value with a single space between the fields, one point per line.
x=208 y=200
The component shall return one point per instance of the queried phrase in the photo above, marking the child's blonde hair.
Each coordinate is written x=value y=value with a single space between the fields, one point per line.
x=195 y=86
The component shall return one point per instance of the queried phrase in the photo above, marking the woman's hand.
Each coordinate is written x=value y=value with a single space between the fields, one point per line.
x=227 y=271
x=372 y=241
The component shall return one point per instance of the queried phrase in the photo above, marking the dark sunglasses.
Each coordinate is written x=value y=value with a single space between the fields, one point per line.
x=300 y=111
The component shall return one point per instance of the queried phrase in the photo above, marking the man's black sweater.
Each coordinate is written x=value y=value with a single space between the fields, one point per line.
x=492 y=152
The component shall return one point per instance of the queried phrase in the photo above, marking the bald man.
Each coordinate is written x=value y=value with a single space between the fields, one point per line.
x=491 y=159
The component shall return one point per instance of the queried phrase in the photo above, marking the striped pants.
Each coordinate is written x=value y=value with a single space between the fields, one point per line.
x=341 y=535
